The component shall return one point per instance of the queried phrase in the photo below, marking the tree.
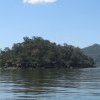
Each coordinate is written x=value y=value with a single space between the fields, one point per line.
x=37 y=52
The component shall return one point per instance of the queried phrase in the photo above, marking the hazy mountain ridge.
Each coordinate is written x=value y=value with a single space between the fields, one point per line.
x=94 y=52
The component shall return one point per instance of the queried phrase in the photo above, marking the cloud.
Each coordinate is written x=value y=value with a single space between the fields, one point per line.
x=39 y=1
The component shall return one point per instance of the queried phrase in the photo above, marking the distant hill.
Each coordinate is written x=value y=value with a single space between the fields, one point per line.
x=94 y=52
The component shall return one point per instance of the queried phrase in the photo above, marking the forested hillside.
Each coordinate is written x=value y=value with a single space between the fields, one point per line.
x=36 y=52
x=94 y=52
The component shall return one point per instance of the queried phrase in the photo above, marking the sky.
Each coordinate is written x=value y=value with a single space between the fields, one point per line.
x=75 y=22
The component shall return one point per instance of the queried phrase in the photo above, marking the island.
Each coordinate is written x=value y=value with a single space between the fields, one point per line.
x=37 y=52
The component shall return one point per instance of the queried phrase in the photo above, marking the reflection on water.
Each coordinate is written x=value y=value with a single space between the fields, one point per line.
x=50 y=84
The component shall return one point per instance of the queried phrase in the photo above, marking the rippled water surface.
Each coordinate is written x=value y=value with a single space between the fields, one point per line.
x=50 y=84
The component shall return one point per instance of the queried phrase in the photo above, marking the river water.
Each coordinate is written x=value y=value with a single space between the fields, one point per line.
x=50 y=84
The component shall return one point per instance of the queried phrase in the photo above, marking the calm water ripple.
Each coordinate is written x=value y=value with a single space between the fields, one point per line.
x=50 y=84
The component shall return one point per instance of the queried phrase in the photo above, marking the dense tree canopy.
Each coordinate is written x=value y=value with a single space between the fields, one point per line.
x=36 y=52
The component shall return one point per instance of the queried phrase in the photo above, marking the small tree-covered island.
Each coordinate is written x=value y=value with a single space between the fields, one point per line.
x=36 y=52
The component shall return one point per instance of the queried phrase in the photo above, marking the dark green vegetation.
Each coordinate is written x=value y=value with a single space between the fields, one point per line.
x=37 y=53
x=94 y=52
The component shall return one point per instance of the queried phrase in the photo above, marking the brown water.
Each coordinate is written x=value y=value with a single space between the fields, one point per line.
x=50 y=84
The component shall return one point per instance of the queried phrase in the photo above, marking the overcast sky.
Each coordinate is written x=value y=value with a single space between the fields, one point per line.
x=75 y=22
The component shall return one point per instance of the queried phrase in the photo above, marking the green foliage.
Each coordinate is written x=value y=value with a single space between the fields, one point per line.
x=36 y=52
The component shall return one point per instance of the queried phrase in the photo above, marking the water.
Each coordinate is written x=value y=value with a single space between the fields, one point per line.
x=50 y=84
